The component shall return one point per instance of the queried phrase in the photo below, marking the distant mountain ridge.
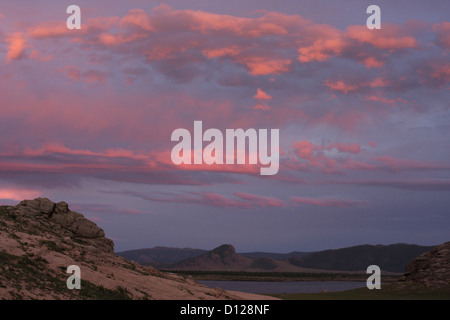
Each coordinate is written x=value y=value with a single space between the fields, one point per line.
x=390 y=258
x=160 y=256
x=225 y=258
x=274 y=255
x=393 y=257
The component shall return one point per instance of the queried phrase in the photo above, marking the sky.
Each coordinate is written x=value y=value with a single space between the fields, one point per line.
x=86 y=117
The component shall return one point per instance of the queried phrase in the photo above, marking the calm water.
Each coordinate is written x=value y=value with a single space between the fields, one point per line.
x=283 y=287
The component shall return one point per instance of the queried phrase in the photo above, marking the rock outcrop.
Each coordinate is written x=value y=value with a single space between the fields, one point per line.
x=223 y=257
x=430 y=269
x=72 y=222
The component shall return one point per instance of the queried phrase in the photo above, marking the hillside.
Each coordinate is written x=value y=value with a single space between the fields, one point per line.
x=160 y=256
x=163 y=257
x=392 y=258
x=225 y=258
x=39 y=239
x=274 y=255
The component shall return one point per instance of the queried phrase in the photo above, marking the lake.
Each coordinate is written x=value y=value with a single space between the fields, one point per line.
x=264 y=287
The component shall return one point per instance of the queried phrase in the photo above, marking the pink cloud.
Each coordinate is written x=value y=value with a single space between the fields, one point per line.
x=435 y=74
x=341 y=86
x=51 y=29
x=261 y=95
x=442 y=73
x=16 y=46
x=18 y=194
x=328 y=202
x=347 y=148
x=406 y=164
x=58 y=29
x=442 y=31
x=34 y=54
x=89 y=76
x=262 y=98
x=71 y=72
x=390 y=37
x=304 y=149
x=379 y=82
x=394 y=164
x=260 y=201
x=118 y=39
x=95 y=76
x=324 y=42
x=372 y=62
x=358 y=165
x=247 y=201
x=406 y=184
x=208 y=23
x=392 y=102
x=381 y=99
x=257 y=65
x=56 y=148
x=136 y=18
x=263 y=107
x=314 y=154
x=239 y=200
x=232 y=51
x=261 y=45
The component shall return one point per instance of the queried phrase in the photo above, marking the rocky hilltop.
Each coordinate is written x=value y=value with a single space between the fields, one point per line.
x=225 y=258
x=430 y=269
x=39 y=239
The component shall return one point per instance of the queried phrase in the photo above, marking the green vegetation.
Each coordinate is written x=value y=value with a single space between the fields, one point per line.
x=90 y=291
x=131 y=266
x=277 y=276
x=51 y=245
x=387 y=292
x=7 y=214
x=28 y=272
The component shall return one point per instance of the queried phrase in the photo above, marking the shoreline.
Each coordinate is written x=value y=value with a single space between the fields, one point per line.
x=279 y=276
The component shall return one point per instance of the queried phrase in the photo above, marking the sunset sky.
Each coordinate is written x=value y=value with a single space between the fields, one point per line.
x=364 y=119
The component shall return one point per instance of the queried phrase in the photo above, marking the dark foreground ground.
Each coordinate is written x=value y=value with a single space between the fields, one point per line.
x=387 y=292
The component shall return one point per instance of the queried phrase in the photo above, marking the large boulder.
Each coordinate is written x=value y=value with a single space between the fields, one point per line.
x=72 y=221
x=430 y=269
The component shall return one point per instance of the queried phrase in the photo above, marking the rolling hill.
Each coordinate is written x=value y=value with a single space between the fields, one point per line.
x=390 y=258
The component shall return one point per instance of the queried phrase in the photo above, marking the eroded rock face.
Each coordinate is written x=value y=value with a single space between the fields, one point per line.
x=37 y=206
x=431 y=269
x=72 y=221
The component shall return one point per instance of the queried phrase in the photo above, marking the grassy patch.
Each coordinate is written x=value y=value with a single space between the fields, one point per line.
x=276 y=276
x=32 y=274
x=387 y=292
x=51 y=245
x=7 y=214
x=91 y=291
